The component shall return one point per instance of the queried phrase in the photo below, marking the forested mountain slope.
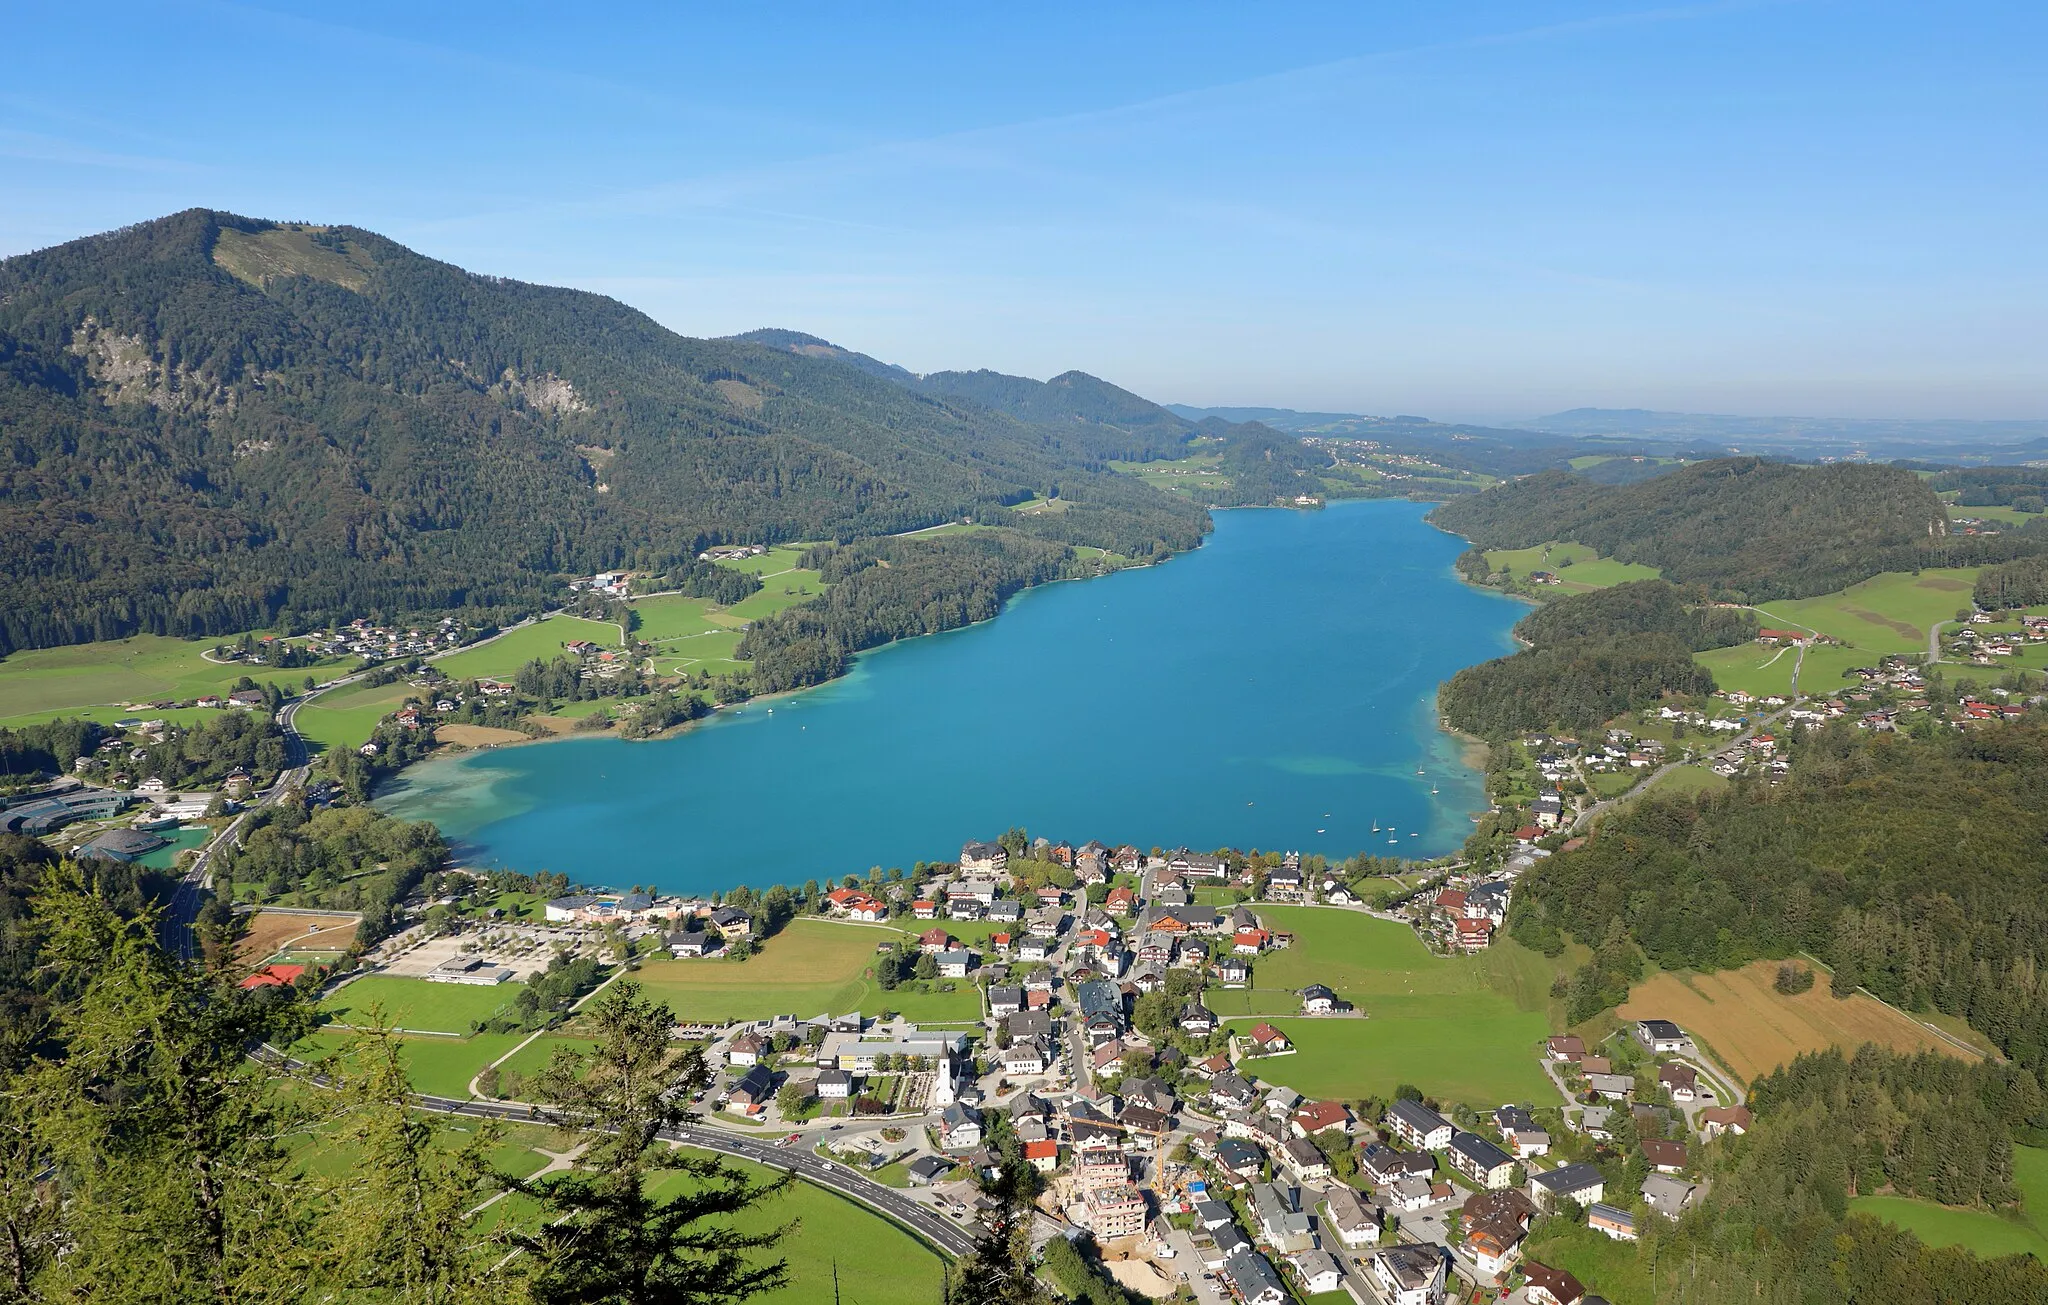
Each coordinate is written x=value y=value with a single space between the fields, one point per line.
x=1740 y=526
x=213 y=423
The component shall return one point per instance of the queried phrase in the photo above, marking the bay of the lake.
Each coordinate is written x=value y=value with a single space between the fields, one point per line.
x=1273 y=689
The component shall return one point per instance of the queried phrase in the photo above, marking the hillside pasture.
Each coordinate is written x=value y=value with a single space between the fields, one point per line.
x=1889 y=613
x=673 y=616
x=1751 y=1028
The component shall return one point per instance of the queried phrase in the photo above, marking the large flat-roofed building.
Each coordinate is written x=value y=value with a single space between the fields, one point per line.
x=54 y=811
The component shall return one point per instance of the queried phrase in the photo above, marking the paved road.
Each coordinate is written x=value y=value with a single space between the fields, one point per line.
x=927 y=1223
x=176 y=927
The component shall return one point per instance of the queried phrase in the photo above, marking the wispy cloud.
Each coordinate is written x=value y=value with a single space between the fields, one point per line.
x=36 y=147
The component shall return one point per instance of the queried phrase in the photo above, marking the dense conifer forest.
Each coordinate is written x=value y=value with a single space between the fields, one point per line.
x=1911 y=867
x=1594 y=656
x=1741 y=527
x=214 y=424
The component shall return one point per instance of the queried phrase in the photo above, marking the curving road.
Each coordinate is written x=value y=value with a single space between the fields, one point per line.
x=926 y=1223
x=175 y=928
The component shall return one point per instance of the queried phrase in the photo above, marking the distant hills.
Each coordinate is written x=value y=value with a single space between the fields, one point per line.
x=217 y=423
x=1877 y=432
x=1739 y=527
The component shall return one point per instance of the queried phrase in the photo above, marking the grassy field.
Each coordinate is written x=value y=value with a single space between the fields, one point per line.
x=813 y=967
x=45 y=682
x=1577 y=567
x=2001 y=515
x=438 y=1066
x=782 y=557
x=672 y=616
x=1690 y=779
x=1464 y=1028
x=1757 y=669
x=1889 y=613
x=876 y=1260
x=1612 y=1268
x=1752 y=1028
x=503 y=656
x=346 y=717
x=1195 y=475
x=1980 y=1231
x=415 y=1004
x=778 y=590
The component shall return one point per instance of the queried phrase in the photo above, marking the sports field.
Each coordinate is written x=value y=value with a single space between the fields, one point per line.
x=43 y=682
x=813 y=967
x=267 y=932
x=1981 y=1231
x=1751 y=1028
x=1465 y=1029
x=1889 y=613
x=502 y=657
x=417 y=1005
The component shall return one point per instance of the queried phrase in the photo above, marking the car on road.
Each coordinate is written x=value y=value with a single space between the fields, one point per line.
x=791 y=1139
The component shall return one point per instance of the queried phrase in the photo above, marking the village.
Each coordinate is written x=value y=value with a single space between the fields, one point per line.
x=1101 y=1062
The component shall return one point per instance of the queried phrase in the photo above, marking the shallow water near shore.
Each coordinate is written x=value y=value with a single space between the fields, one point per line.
x=1275 y=689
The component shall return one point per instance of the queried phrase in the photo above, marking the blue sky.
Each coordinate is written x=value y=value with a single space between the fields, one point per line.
x=1471 y=210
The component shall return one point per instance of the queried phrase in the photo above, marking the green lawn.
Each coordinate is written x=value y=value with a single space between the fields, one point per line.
x=1752 y=668
x=778 y=591
x=813 y=967
x=710 y=651
x=876 y=1260
x=1987 y=1234
x=535 y=1055
x=502 y=657
x=345 y=717
x=1617 y=1270
x=2001 y=515
x=672 y=616
x=438 y=1066
x=1889 y=613
x=1691 y=779
x=1575 y=565
x=1602 y=572
x=1196 y=475
x=1463 y=1028
x=1543 y=557
x=415 y=1004
x=44 y=682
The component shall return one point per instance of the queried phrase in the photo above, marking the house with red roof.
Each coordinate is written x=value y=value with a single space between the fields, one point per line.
x=1472 y=935
x=1043 y=1156
x=1452 y=900
x=274 y=976
x=1270 y=1040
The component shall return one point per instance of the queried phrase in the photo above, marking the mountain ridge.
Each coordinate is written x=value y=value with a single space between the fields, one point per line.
x=217 y=423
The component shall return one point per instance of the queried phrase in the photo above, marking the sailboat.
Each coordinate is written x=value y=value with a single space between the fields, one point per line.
x=1432 y=790
x=1375 y=826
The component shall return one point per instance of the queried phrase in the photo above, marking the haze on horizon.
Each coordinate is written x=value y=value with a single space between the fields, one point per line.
x=1480 y=211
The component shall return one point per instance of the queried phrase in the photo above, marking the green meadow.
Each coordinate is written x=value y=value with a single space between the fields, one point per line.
x=345 y=717
x=1987 y=1234
x=1889 y=613
x=417 y=1005
x=41 y=683
x=1576 y=566
x=437 y=1066
x=1464 y=1028
x=503 y=656
x=812 y=967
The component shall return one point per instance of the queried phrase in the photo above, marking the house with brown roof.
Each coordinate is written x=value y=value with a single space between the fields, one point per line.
x=1681 y=1081
x=1550 y=1286
x=1315 y=1116
x=1716 y=1120
x=1664 y=1157
x=1565 y=1046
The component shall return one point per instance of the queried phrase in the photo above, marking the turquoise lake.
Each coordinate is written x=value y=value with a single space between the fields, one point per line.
x=1272 y=689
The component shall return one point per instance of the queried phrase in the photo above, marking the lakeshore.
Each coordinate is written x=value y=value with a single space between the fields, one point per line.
x=1274 y=688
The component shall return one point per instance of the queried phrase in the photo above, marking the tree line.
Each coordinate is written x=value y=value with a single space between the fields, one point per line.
x=1594 y=656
